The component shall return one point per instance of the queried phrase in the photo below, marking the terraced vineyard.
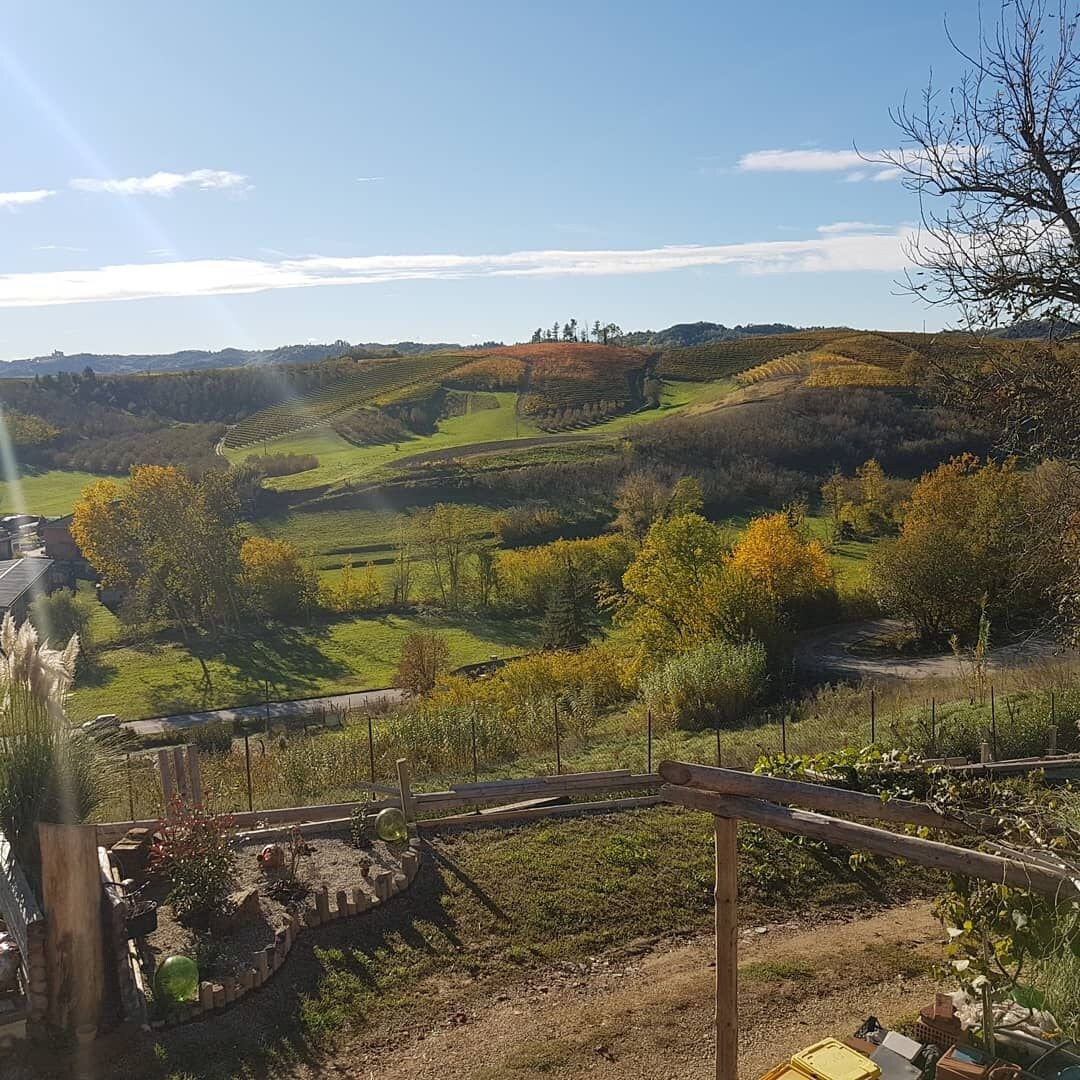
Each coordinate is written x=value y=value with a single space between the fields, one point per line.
x=797 y=363
x=575 y=385
x=373 y=379
x=720 y=359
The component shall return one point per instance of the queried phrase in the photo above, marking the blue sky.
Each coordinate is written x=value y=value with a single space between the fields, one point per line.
x=244 y=173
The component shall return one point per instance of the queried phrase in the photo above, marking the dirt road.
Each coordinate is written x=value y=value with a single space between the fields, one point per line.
x=834 y=652
x=651 y=1016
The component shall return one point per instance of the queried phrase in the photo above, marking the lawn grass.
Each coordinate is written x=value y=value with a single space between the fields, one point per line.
x=491 y=904
x=334 y=656
x=341 y=462
x=51 y=493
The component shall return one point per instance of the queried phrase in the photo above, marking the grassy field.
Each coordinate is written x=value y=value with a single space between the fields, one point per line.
x=340 y=461
x=491 y=906
x=51 y=493
x=157 y=678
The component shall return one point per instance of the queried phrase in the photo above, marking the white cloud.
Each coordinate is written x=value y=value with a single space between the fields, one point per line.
x=843 y=228
x=886 y=174
x=164 y=183
x=854 y=177
x=13 y=199
x=61 y=247
x=217 y=277
x=800 y=161
x=369 y=179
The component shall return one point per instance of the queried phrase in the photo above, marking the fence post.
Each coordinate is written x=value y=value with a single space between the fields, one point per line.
x=718 y=761
x=195 y=775
x=873 y=717
x=558 y=742
x=131 y=787
x=475 y=762
x=783 y=733
x=247 y=765
x=74 y=945
x=933 y=724
x=371 y=748
x=993 y=723
x=648 y=768
x=984 y=752
x=405 y=791
x=167 y=788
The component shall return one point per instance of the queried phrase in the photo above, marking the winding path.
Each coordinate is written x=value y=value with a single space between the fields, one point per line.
x=274 y=710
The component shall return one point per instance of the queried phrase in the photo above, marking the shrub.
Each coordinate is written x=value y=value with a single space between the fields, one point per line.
x=195 y=855
x=48 y=771
x=715 y=683
x=424 y=657
x=213 y=738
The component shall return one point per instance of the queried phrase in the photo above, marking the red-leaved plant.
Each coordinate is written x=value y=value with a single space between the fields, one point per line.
x=194 y=854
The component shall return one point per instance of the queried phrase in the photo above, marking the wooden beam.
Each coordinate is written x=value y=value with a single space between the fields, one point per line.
x=849 y=834
x=74 y=942
x=497 y=815
x=727 y=949
x=815 y=796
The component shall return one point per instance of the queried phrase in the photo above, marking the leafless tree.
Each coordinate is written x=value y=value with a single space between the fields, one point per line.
x=995 y=163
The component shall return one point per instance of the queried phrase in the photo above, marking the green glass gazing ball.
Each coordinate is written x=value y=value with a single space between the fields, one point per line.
x=390 y=825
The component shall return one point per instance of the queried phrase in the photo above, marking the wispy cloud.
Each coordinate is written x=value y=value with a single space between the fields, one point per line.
x=164 y=183
x=799 y=161
x=825 y=253
x=847 y=228
x=67 y=248
x=819 y=161
x=14 y=199
x=370 y=179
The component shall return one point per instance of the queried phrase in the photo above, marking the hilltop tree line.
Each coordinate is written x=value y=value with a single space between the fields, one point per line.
x=571 y=330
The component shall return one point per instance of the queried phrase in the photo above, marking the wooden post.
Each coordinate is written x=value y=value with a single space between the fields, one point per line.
x=1053 y=725
x=180 y=774
x=475 y=762
x=131 y=787
x=405 y=791
x=371 y=747
x=718 y=761
x=933 y=724
x=167 y=788
x=194 y=776
x=984 y=752
x=74 y=943
x=727 y=949
x=558 y=742
x=648 y=767
x=873 y=717
x=1052 y=742
x=993 y=723
x=247 y=764
x=783 y=733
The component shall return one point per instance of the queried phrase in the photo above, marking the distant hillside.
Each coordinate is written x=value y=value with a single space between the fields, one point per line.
x=197 y=359
x=682 y=335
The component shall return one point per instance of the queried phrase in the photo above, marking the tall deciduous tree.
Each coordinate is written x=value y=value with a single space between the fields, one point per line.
x=995 y=162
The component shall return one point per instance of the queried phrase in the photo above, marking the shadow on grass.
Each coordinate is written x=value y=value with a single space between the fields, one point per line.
x=323 y=993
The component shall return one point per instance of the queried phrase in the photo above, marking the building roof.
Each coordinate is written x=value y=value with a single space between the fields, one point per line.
x=19 y=575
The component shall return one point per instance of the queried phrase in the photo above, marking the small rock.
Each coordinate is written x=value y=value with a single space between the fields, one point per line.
x=761 y=929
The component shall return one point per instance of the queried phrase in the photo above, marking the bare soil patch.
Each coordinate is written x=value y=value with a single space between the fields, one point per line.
x=651 y=1016
x=330 y=861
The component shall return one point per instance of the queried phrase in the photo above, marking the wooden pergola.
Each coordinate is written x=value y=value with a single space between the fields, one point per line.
x=732 y=796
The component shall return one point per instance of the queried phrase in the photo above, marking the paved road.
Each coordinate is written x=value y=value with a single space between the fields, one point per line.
x=828 y=653
x=277 y=710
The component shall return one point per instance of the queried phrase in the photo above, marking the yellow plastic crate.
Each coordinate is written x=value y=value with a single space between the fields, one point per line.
x=832 y=1060
x=787 y=1071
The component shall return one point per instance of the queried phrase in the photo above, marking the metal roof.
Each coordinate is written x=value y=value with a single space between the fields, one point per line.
x=18 y=575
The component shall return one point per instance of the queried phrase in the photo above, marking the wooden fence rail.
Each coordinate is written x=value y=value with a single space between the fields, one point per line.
x=459 y=797
x=732 y=797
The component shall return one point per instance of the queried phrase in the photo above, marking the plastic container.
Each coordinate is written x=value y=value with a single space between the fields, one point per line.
x=787 y=1071
x=832 y=1060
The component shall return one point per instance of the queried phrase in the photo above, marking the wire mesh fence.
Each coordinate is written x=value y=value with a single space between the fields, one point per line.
x=334 y=758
